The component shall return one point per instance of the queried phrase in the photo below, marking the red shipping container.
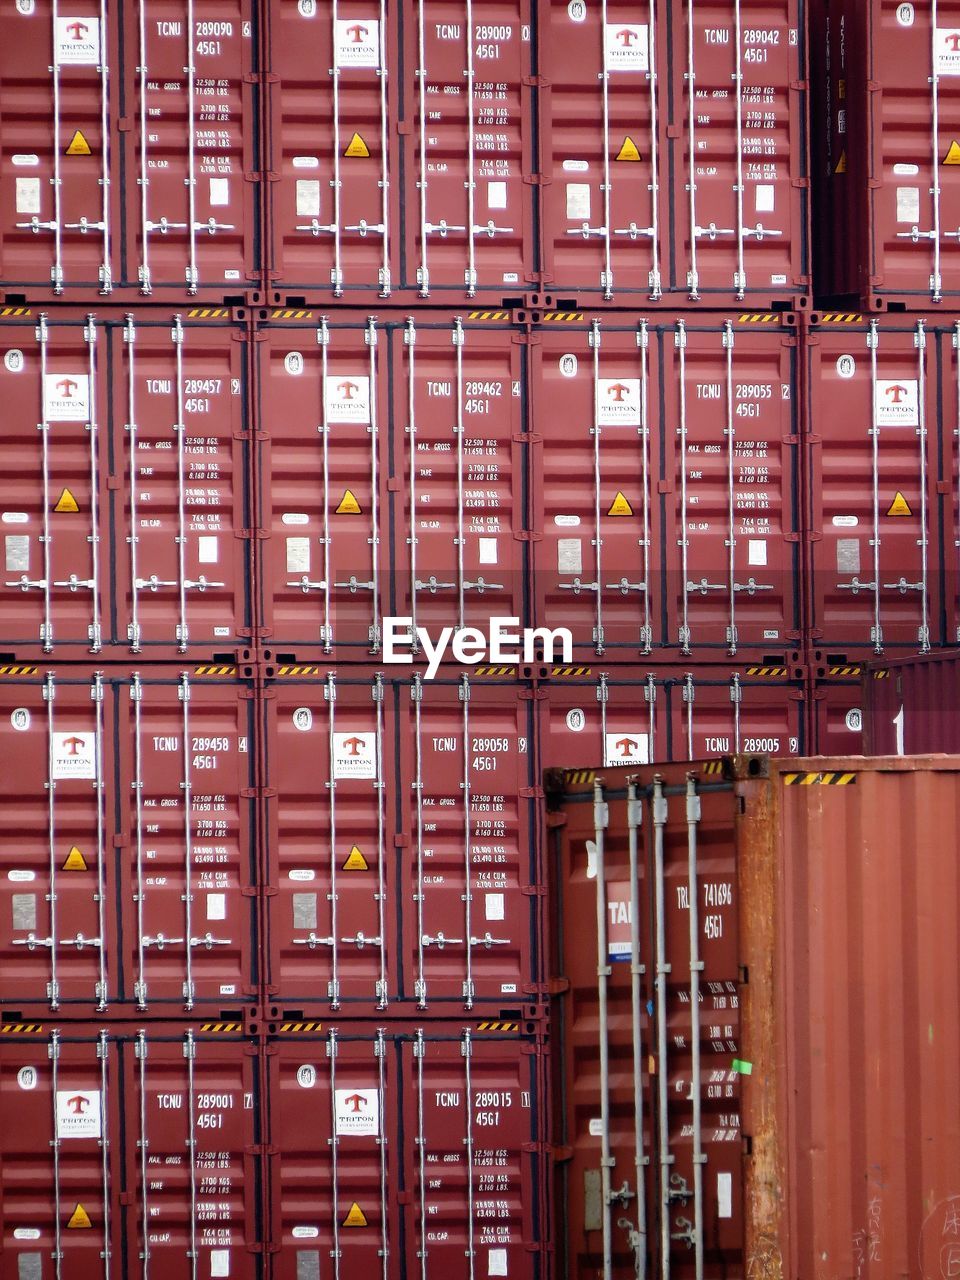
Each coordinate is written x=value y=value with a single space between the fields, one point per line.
x=407 y=1149
x=666 y=504
x=886 y=148
x=409 y=434
x=125 y=515
x=882 y=485
x=635 y=715
x=673 y=149
x=130 y=1142
x=910 y=706
x=129 y=820
x=401 y=150
x=130 y=164
x=400 y=842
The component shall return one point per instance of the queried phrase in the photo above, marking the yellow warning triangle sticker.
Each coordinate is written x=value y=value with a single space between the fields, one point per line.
x=79 y=1218
x=356 y=147
x=953 y=153
x=349 y=506
x=66 y=502
x=899 y=506
x=841 y=163
x=629 y=150
x=620 y=506
x=79 y=146
x=355 y=861
x=74 y=861
x=355 y=1217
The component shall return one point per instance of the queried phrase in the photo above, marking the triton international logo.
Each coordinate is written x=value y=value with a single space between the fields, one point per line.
x=78 y=41
x=502 y=643
x=626 y=46
x=358 y=42
x=347 y=398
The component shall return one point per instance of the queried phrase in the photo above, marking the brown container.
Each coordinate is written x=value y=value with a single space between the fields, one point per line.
x=771 y=1070
x=912 y=705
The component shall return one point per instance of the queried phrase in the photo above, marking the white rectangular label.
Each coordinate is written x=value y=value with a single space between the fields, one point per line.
x=618 y=402
x=596 y=1127
x=23 y=161
x=28 y=195
x=845 y=522
x=896 y=402
x=306 y=162
x=219 y=191
x=626 y=46
x=347 y=397
x=496 y=195
x=77 y=42
x=216 y=906
x=493 y=905
x=488 y=550
x=569 y=555
x=625 y=746
x=308 y=198
x=295 y=517
x=228 y=989
x=908 y=204
x=298 y=555
x=756 y=551
x=724 y=1195
x=358 y=1111
x=73 y=754
x=354 y=755
x=576 y=166
x=66 y=397
x=906 y=170
x=78 y=1113
x=567 y=522
x=578 y=201
x=358 y=42
x=207 y=548
x=848 y=555
x=219 y=1262
x=947 y=48
x=497 y=1262
x=17 y=547
x=15 y=517
x=765 y=197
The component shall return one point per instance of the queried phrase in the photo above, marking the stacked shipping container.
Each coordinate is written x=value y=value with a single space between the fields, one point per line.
x=319 y=316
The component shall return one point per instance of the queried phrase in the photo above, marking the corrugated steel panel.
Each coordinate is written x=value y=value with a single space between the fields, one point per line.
x=911 y=706
x=402 y=864
x=129 y=821
x=404 y=1148
x=130 y=162
x=756 y=1081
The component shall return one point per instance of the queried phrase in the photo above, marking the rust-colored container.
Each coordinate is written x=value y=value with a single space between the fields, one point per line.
x=882 y=487
x=128 y=818
x=912 y=705
x=673 y=149
x=407 y=1147
x=124 y=503
x=139 y=1140
x=400 y=849
x=130 y=163
x=755 y=1032
x=885 y=124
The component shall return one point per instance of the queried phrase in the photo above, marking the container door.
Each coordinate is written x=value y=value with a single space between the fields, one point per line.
x=459 y=557
x=330 y=759
x=192 y=1127
x=589 y=722
x=595 y=400
x=322 y=476
x=724 y=713
x=191 y=157
x=331 y=124
x=57 y=735
x=333 y=1113
x=61 y=1163
x=184 y=581
x=467 y=205
x=55 y=393
x=58 y=149
x=471 y=1119
x=185 y=761
x=873 y=481
x=740 y=151
x=601 y=147
x=469 y=914
x=731 y=544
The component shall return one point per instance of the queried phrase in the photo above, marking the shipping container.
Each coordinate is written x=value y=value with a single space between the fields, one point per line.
x=130 y=163
x=407 y=1150
x=885 y=143
x=130 y=1142
x=756 y=1034
x=401 y=841
x=128 y=818
x=836 y=710
x=410 y=434
x=882 y=492
x=673 y=153
x=912 y=706
x=401 y=149
x=125 y=504
x=636 y=715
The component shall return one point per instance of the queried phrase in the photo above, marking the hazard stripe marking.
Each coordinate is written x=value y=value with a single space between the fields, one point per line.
x=15 y=311
x=498 y=1026
x=713 y=766
x=841 y=317
x=300 y=671
x=489 y=315
x=21 y=1028
x=766 y=671
x=19 y=671
x=844 y=671
x=571 y=671
x=208 y=313
x=301 y=1026
x=562 y=317
x=819 y=779
x=290 y=313
x=215 y=671
x=759 y=317
x=575 y=777
x=221 y=1026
